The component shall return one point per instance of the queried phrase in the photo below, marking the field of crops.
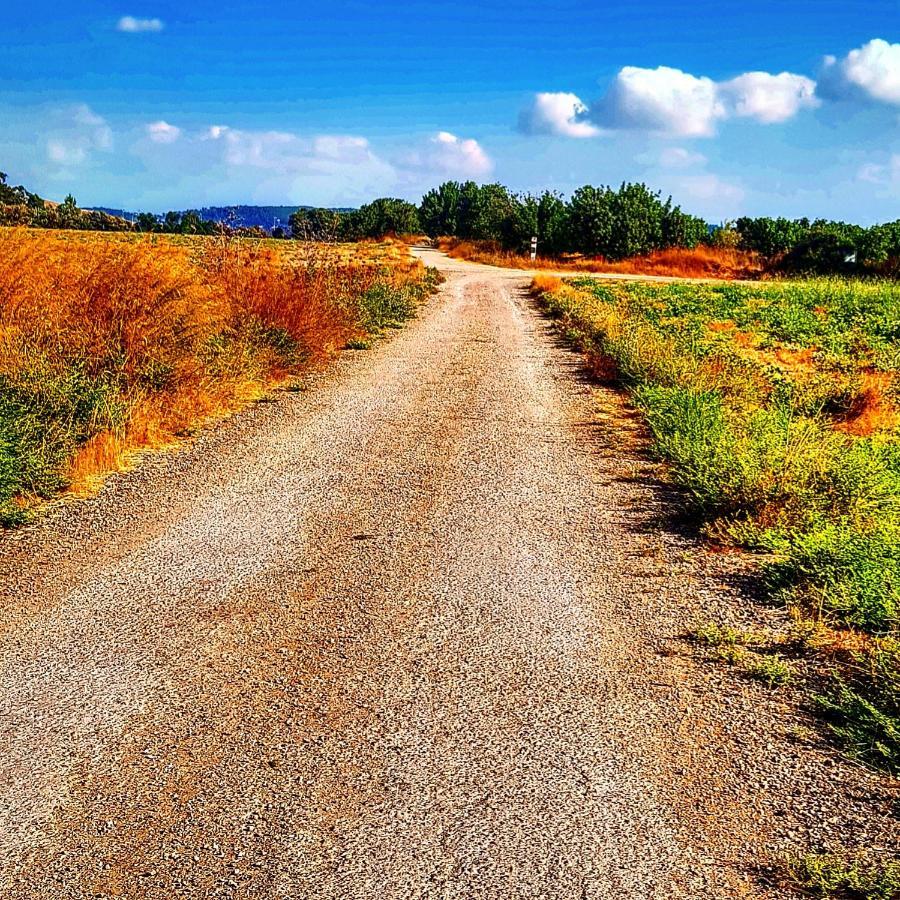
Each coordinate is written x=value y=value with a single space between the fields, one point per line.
x=114 y=342
x=776 y=408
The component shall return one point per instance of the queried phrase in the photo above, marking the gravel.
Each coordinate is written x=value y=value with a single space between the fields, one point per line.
x=413 y=631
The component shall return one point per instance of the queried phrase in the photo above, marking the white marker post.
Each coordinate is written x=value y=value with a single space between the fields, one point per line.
x=533 y=249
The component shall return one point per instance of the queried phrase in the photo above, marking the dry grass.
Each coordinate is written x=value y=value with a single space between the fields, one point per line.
x=109 y=343
x=701 y=262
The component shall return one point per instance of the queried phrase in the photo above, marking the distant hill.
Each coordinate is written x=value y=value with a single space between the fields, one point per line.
x=19 y=206
x=238 y=216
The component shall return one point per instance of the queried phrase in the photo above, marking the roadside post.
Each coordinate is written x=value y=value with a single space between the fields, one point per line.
x=533 y=249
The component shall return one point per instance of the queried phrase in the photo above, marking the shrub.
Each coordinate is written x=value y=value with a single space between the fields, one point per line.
x=845 y=572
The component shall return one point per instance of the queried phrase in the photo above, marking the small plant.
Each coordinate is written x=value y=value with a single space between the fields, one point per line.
x=771 y=670
x=862 y=706
x=833 y=876
x=715 y=634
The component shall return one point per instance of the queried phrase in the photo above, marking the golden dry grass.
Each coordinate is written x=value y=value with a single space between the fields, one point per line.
x=117 y=342
x=700 y=262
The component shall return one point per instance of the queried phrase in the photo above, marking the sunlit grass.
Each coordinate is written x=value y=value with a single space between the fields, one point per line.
x=111 y=342
x=775 y=408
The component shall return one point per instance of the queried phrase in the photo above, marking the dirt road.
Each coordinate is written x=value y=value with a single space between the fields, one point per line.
x=411 y=632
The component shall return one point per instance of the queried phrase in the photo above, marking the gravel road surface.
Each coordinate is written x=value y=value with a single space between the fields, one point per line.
x=413 y=631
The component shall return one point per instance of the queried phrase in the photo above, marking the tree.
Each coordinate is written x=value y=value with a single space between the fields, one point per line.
x=386 y=215
x=439 y=210
x=68 y=212
x=317 y=225
x=591 y=220
x=191 y=223
x=146 y=222
x=172 y=222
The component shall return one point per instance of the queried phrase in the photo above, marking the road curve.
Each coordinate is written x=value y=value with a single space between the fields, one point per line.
x=406 y=633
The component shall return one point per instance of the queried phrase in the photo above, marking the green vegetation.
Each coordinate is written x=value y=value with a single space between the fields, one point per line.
x=775 y=407
x=19 y=206
x=44 y=416
x=384 y=216
x=830 y=875
x=862 y=706
x=732 y=646
x=614 y=223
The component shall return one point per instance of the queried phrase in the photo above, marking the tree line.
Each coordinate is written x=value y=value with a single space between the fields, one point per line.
x=614 y=223
x=595 y=221
x=631 y=220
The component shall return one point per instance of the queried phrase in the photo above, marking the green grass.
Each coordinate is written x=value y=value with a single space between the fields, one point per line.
x=832 y=876
x=44 y=416
x=769 y=669
x=754 y=396
x=731 y=645
x=862 y=706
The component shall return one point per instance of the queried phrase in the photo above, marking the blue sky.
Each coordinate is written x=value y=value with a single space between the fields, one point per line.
x=732 y=107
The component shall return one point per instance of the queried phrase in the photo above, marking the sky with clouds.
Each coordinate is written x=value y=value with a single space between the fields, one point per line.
x=789 y=108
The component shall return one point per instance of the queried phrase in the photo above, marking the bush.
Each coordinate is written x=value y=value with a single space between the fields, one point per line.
x=844 y=572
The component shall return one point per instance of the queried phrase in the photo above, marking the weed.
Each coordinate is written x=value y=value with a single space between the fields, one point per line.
x=835 y=876
x=775 y=408
x=714 y=634
x=680 y=262
x=862 y=705
x=772 y=670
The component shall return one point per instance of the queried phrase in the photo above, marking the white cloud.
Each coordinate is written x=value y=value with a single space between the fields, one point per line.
x=872 y=71
x=342 y=148
x=670 y=102
x=769 y=98
x=287 y=153
x=559 y=114
x=74 y=133
x=219 y=161
x=450 y=156
x=661 y=100
x=680 y=158
x=162 y=132
x=133 y=25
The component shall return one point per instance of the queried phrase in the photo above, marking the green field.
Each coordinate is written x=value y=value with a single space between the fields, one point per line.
x=775 y=407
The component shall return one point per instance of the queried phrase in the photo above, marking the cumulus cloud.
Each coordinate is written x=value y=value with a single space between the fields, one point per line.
x=768 y=98
x=162 y=132
x=133 y=25
x=287 y=153
x=670 y=102
x=450 y=156
x=559 y=114
x=74 y=133
x=219 y=161
x=871 y=71
x=661 y=100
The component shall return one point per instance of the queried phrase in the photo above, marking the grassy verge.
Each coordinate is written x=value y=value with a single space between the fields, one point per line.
x=110 y=343
x=775 y=407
